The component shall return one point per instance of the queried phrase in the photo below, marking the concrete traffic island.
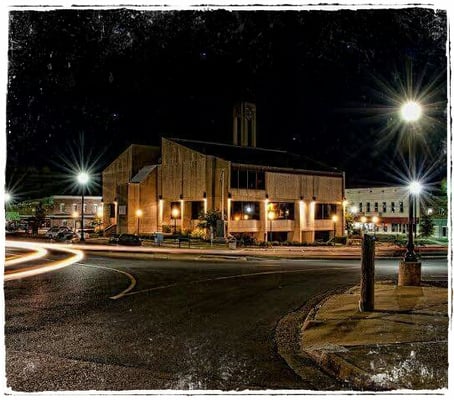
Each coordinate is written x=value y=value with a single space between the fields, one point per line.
x=402 y=344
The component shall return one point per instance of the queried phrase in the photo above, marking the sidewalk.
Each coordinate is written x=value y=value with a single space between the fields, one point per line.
x=403 y=344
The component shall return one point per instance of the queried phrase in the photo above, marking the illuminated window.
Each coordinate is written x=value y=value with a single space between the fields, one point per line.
x=62 y=207
x=244 y=210
x=282 y=210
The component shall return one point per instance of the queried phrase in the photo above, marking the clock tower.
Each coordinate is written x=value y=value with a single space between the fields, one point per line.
x=244 y=124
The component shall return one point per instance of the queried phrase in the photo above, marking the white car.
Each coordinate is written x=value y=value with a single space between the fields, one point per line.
x=55 y=230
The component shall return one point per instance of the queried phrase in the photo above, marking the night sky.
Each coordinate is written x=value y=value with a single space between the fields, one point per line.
x=92 y=82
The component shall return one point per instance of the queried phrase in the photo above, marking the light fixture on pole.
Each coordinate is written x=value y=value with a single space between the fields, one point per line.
x=139 y=214
x=375 y=222
x=83 y=178
x=175 y=215
x=75 y=215
x=334 y=218
x=414 y=188
x=271 y=216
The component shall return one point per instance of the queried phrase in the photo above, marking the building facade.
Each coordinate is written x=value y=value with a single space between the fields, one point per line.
x=61 y=210
x=383 y=209
x=67 y=210
x=258 y=192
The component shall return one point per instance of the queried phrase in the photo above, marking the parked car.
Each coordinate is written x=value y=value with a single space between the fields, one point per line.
x=67 y=236
x=55 y=230
x=128 y=239
x=87 y=232
x=114 y=238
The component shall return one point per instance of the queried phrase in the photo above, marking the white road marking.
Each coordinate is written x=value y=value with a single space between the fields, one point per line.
x=232 y=277
x=124 y=292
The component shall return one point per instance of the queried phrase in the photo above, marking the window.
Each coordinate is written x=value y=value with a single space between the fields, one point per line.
x=62 y=207
x=247 y=179
x=367 y=207
x=360 y=207
x=95 y=209
x=384 y=206
x=401 y=206
x=325 y=211
x=112 y=210
x=376 y=206
x=444 y=231
x=74 y=207
x=394 y=227
x=244 y=210
x=196 y=209
x=393 y=207
x=282 y=210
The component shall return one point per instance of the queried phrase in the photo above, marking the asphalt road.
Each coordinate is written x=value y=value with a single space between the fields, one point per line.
x=153 y=324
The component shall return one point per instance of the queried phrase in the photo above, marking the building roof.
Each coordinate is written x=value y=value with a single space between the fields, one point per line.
x=143 y=173
x=255 y=156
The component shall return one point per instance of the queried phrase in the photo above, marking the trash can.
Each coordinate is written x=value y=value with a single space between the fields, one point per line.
x=232 y=244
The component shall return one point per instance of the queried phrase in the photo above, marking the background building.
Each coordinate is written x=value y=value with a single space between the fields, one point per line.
x=384 y=209
x=266 y=194
x=59 y=210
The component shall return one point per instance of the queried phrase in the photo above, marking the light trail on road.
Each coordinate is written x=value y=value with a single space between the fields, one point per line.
x=39 y=251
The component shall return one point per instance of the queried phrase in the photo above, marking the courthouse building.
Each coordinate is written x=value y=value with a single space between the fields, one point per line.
x=259 y=192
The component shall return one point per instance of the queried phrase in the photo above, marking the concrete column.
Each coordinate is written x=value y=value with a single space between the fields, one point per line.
x=409 y=273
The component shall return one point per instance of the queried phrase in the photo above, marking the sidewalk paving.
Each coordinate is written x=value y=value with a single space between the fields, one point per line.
x=403 y=344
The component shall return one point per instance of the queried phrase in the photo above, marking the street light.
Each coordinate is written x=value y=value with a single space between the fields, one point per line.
x=411 y=111
x=175 y=215
x=414 y=188
x=83 y=178
x=334 y=218
x=75 y=215
x=271 y=216
x=139 y=214
x=7 y=197
x=375 y=222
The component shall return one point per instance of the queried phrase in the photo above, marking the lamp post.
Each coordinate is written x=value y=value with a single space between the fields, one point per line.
x=375 y=222
x=175 y=214
x=409 y=267
x=83 y=178
x=334 y=218
x=414 y=188
x=139 y=214
x=271 y=216
x=75 y=215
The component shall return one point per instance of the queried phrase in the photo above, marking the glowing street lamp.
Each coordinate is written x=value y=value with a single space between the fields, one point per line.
x=82 y=178
x=411 y=111
x=8 y=197
x=375 y=222
x=414 y=189
x=271 y=216
x=334 y=218
x=139 y=214
x=75 y=215
x=175 y=215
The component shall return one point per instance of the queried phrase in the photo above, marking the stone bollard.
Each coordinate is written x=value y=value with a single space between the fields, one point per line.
x=366 y=302
x=409 y=273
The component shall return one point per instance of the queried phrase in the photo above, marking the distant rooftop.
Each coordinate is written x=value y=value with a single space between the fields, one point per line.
x=255 y=156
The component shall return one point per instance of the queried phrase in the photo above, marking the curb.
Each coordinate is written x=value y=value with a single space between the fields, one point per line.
x=289 y=331
x=287 y=339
